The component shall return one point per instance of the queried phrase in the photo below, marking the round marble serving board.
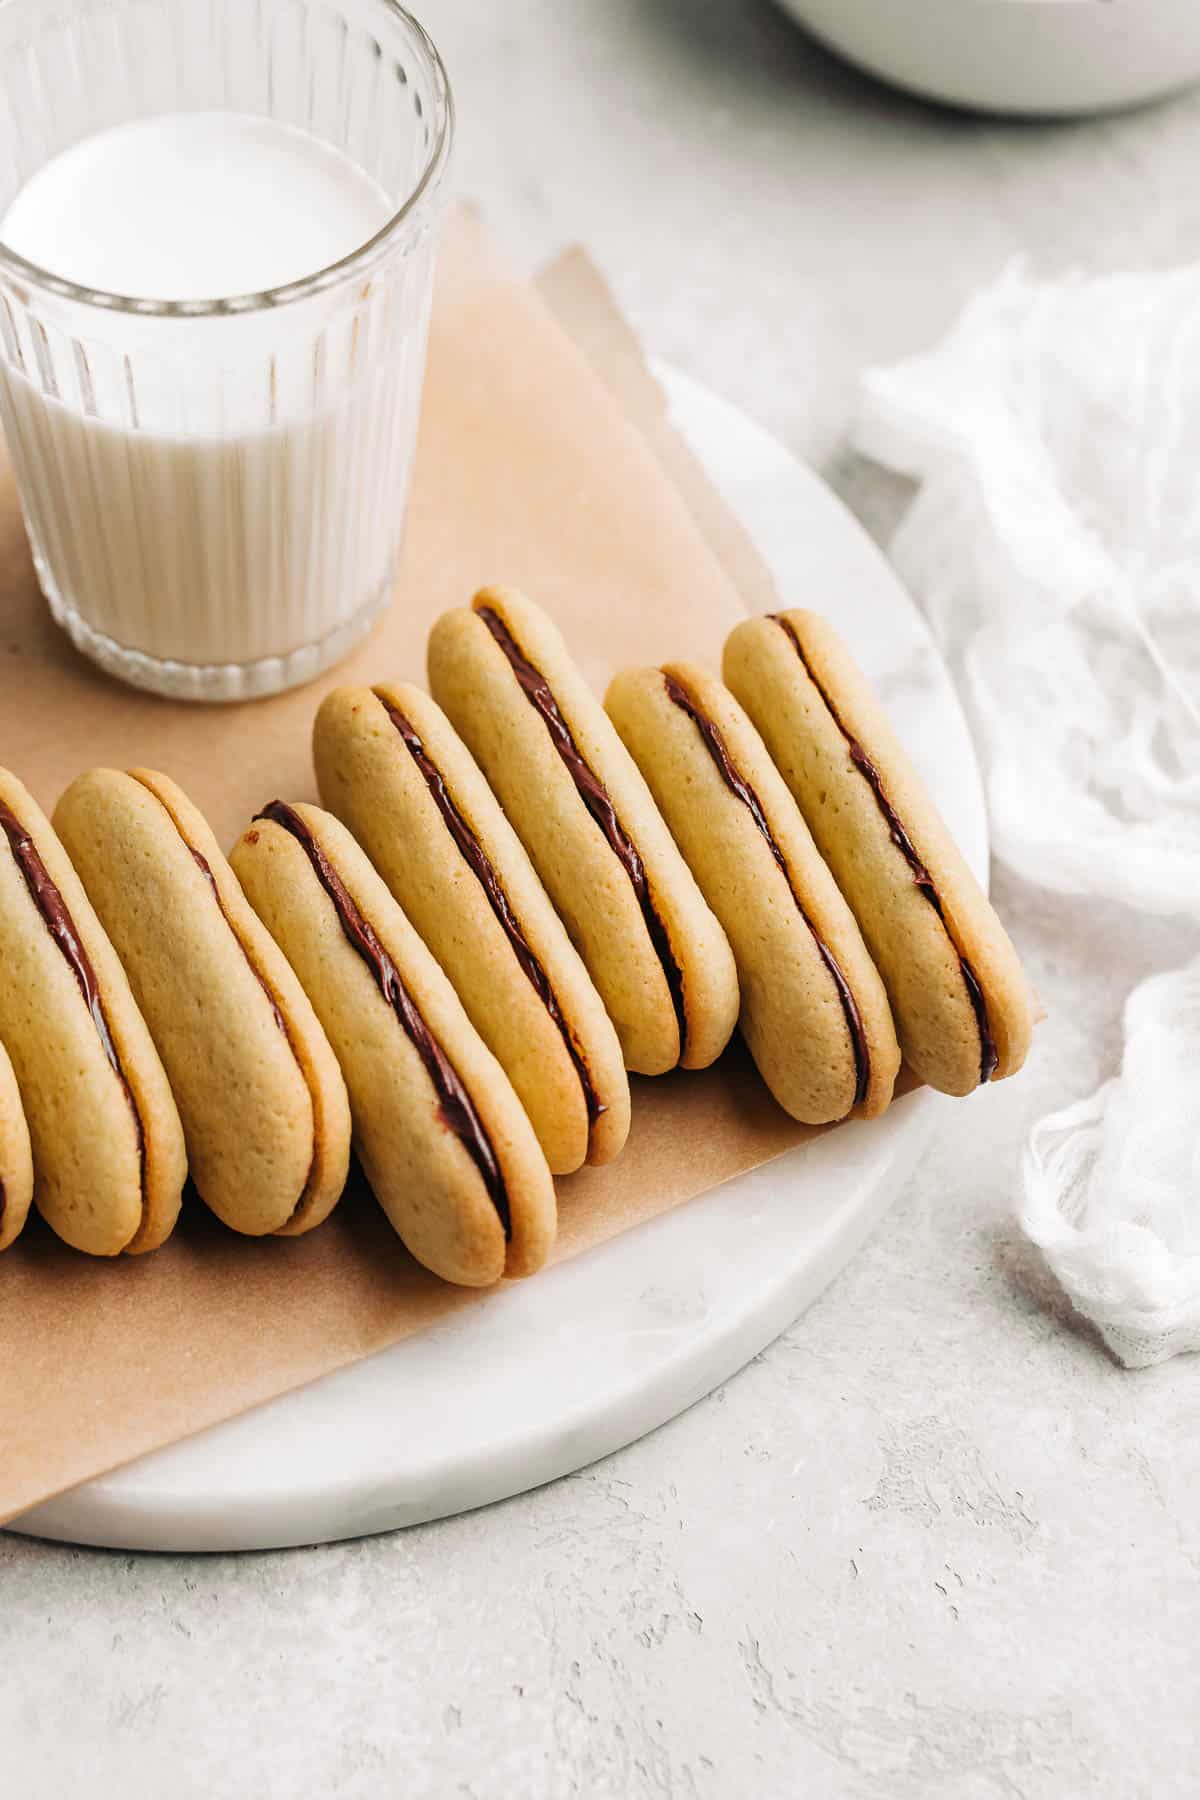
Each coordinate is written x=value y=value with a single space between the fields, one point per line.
x=559 y=1371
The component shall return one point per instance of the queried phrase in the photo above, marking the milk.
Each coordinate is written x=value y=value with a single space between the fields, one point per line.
x=194 y=206
x=214 y=502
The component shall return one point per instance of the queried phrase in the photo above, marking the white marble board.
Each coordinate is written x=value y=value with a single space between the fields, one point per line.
x=559 y=1371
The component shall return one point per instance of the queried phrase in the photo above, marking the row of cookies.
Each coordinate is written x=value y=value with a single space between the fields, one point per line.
x=529 y=904
x=758 y=851
x=161 y=1025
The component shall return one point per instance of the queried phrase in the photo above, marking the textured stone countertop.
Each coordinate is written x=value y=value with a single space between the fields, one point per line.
x=931 y=1543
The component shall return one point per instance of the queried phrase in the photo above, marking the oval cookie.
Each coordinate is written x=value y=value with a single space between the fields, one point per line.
x=263 y=1104
x=107 y=1143
x=393 y=769
x=962 y=1005
x=814 y=1013
x=16 y=1157
x=658 y=957
x=450 y=1154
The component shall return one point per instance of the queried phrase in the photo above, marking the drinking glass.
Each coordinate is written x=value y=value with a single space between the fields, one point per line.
x=215 y=490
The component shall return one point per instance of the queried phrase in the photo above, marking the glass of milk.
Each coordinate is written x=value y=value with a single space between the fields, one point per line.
x=217 y=228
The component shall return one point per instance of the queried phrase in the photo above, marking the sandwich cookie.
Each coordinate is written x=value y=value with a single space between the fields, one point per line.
x=659 y=959
x=263 y=1103
x=107 y=1143
x=962 y=1005
x=392 y=768
x=450 y=1154
x=814 y=1012
x=16 y=1157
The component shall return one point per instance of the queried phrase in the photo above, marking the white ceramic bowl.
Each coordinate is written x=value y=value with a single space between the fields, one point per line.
x=1038 y=57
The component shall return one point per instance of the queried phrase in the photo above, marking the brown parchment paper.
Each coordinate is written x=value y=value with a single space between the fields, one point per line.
x=536 y=467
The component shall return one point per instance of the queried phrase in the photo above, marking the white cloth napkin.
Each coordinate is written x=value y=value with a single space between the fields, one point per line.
x=1112 y=1184
x=1055 y=545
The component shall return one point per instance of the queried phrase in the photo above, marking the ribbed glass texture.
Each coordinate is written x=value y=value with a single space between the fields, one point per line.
x=215 y=492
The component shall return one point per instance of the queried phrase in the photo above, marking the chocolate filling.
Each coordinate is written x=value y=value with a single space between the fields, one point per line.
x=989 y=1057
x=51 y=905
x=717 y=748
x=481 y=866
x=595 y=797
x=455 y=1105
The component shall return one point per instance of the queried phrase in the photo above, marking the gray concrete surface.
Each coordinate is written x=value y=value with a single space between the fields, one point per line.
x=933 y=1542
